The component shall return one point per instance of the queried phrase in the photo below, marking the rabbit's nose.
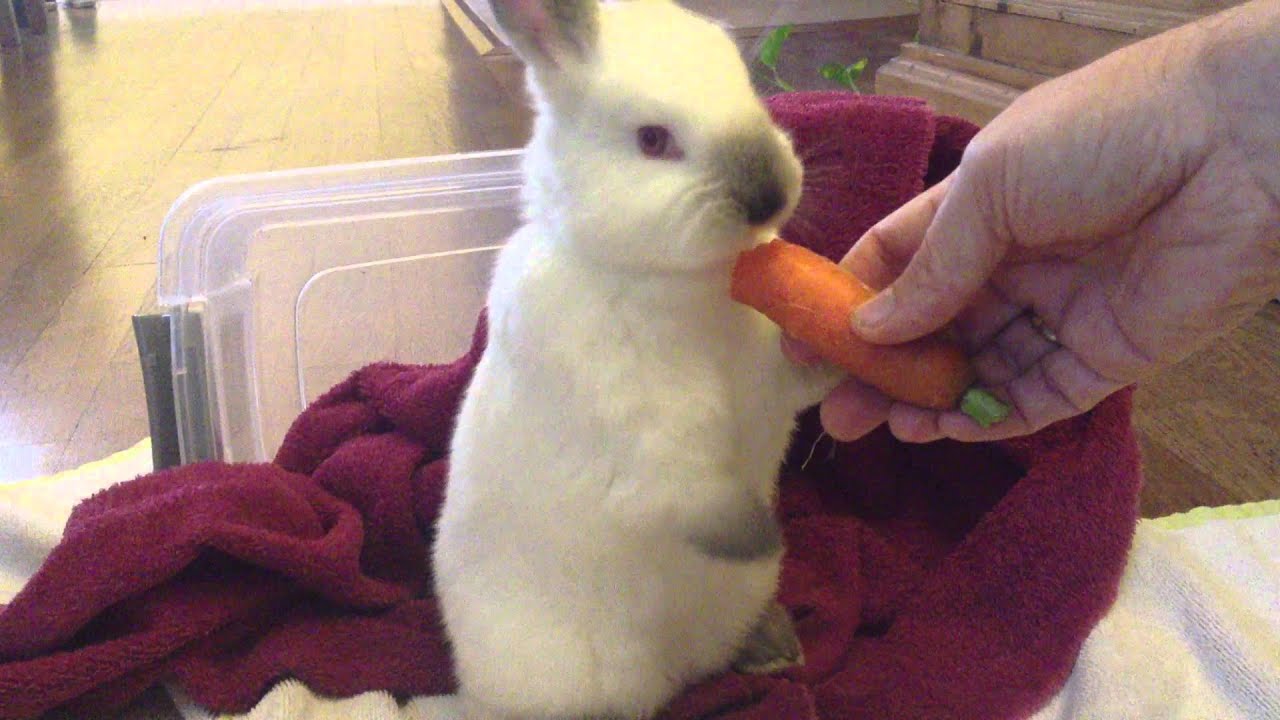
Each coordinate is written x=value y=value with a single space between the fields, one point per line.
x=754 y=166
x=763 y=204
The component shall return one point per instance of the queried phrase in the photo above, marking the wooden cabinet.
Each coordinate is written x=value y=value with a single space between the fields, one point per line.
x=973 y=57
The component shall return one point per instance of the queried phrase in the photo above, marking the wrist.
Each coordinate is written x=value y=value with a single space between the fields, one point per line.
x=1238 y=69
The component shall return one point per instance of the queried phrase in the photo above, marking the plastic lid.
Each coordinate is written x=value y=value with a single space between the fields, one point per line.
x=280 y=284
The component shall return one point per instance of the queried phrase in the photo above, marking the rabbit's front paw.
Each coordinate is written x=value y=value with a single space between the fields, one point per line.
x=815 y=382
x=772 y=646
x=741 y=531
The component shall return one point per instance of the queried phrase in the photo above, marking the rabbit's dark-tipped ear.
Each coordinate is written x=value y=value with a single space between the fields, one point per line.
x=549 y=32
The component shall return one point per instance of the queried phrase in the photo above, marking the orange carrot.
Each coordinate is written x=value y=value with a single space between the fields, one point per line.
x=812 y=299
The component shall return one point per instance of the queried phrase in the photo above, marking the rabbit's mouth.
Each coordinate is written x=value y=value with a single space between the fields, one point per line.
x=759 y=220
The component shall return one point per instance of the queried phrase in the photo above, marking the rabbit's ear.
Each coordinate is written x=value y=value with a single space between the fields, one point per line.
x=546 y=33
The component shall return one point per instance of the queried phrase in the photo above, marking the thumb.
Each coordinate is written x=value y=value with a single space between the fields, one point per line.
x=949 y=241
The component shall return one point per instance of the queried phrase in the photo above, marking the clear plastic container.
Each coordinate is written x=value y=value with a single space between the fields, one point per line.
x=278 y=285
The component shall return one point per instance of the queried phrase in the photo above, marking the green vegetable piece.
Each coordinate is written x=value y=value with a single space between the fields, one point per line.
x=844 y=75
x=772 y=46
x=831 y=71
x=983 y=407
x=849 y=76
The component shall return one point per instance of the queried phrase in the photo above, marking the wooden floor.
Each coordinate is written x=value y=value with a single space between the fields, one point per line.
x=104 y=121
x=107 y=119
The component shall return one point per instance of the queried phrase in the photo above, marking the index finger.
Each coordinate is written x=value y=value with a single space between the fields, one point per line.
x=948 y=263
x=885 y=250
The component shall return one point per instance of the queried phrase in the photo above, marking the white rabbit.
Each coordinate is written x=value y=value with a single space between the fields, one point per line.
x=608 y=535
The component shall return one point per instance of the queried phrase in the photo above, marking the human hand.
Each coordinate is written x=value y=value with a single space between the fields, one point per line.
x=1108 y=224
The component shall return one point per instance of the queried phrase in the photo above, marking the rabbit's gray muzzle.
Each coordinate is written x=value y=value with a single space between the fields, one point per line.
x=758 y=172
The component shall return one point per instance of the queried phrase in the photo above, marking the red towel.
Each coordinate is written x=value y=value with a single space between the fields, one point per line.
x=936 y=581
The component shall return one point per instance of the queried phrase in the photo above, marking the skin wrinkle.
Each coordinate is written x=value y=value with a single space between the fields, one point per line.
x=1219 y=61
x=1056 y=386
x=974 y=343
x=1005 y=358
x=1225 y=243
x=1000 y=220
x=883 y=261
x=1126 y=334
x=934 y=272
x=1188 y=164
x=1020 y=395
x=1035 y=347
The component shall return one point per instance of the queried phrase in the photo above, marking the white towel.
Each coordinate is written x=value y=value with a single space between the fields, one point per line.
x=34 y=511
x=291 y=700
x=1194 y=633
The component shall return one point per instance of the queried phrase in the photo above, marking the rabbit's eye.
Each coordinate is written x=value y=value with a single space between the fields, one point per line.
x=656 y=142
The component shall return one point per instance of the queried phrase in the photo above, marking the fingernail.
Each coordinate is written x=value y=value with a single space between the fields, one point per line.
x=875 y=312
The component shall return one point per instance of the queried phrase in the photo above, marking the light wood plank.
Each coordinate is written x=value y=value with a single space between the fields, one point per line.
x=949 y=91
x=1218 y=413
x=1014 y=77
x=47 y=392
x=114 y=419
x=1139 y=19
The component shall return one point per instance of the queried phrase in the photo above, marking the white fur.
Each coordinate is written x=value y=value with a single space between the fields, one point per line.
x=623 y=401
